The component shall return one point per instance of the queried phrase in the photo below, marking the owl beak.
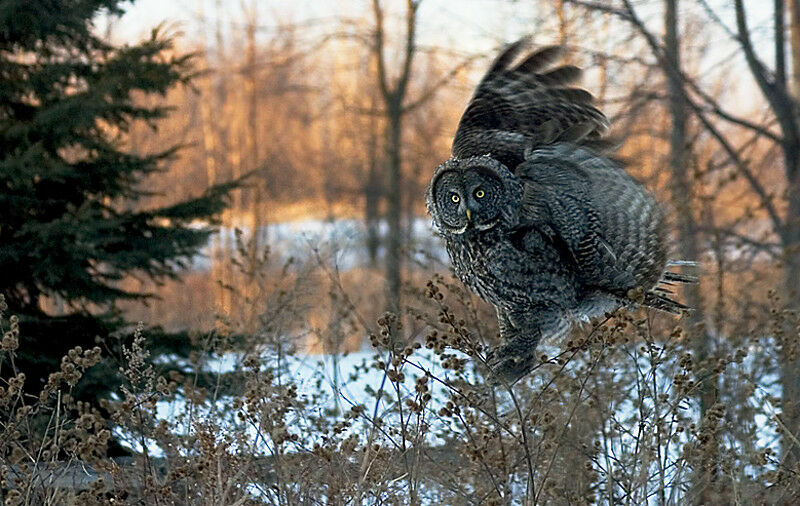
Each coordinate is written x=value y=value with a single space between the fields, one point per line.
x=469 y=214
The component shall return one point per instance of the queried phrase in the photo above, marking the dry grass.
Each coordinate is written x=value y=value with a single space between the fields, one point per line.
x=609 y=416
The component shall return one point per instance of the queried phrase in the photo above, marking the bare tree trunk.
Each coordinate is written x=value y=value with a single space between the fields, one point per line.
x=251 y=130
x=790 y=348
x=794 y=33
x=394 y=205
x=209 y=150
x=393 y=98
x=411 y=188
x=211 y=143
x=372 y=219
x=373 y=190
x=682 y=190
x=563 y=23
x=231 y=164
x=790 y=362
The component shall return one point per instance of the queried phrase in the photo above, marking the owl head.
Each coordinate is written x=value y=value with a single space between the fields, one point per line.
x=476 y=193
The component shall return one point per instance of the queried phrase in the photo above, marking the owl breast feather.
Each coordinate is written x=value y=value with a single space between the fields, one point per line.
x=511 y=273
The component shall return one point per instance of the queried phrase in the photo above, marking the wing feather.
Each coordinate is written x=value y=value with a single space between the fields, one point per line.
x=522 y=103
x=536 y=60
x=613 y=229
x=561 y=76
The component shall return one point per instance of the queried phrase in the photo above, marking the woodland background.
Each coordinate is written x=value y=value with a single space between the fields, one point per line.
x=328 y=354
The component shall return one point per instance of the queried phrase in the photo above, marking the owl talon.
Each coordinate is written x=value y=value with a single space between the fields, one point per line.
x=507 y=367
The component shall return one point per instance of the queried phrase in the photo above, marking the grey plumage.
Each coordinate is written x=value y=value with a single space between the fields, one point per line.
x=536 y=219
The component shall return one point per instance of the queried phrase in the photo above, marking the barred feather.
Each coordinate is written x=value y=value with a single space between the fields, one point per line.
x=560 y=232
x=530 y=104
x=656 y=301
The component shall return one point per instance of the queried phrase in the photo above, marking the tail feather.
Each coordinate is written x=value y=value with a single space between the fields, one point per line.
x=663 y=291
x=687 y=263
x=657 y=297
x=678 y=277
x=662 y=303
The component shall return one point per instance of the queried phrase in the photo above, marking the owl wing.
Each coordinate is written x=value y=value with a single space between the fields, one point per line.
x=605 y=221
x=557 y=200
x=524 y=102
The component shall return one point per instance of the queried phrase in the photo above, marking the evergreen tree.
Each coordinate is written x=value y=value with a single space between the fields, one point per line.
x=70 y=225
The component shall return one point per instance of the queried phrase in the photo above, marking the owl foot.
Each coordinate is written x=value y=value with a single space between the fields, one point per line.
x=508 y=366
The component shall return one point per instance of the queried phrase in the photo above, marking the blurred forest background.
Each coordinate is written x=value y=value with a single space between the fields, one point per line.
x=309 y=102
x=328 y=118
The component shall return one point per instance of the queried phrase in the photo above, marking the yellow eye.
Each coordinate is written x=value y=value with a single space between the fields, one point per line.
x=480 y=194
x=455 y=198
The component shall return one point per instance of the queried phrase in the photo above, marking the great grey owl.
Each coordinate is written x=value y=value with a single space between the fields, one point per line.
x=536 y=220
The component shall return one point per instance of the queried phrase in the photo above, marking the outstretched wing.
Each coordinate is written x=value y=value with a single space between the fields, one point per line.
x=524 y=102
x=608 y=224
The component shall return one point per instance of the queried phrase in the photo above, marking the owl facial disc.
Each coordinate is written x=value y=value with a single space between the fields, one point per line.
x=470 y=194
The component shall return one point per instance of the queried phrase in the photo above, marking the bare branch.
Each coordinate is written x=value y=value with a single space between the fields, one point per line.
x=757 y=68
x=743 y=168
x=712 y=104
x=601 y=7
x=378 y=48
x=411 y=27
x=782 y=104
x=766 y=199
x=772 y=248
x=430 y=92
x=780 y=45
x=715 y=17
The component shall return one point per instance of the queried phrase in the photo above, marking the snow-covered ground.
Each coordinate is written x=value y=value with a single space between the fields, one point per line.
x=345 y=238
x=333 y=384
